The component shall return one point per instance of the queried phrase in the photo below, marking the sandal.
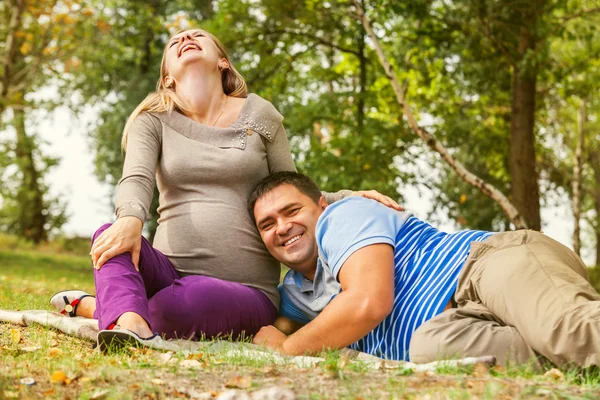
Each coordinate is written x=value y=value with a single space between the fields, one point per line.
x=66 y=302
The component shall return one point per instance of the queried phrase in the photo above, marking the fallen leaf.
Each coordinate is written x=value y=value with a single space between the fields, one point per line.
x=165 y=358
x=27 y=381
x=29 y=349
x=481 y=370
x=544 y=392
x=49 y=393
x=59 y=377
x=239 y=382
x=190 y=364
x=158 y=381
x=499 y=368
x=15 y=336
x=279 y=393
x=233 y=394
x=10 y=394
x=54 y=352
x=99 y=395
x=554 y=374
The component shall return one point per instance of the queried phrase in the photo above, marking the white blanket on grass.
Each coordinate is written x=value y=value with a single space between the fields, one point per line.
x=85 y=328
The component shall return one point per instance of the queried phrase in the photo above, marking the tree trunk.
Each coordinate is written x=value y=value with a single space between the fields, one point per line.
x=362 y=84
x=522 y=165
x=489 y=190
x=594 y=163
x=577 y=171
x=32 y=215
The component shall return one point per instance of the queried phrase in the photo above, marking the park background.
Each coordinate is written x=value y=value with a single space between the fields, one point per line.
x=505 y=88
x=478 y=114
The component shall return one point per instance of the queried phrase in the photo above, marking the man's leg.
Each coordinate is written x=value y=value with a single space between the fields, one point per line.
x=200 y=306
x=535 y=284
x=470 y=331
x=120 y=289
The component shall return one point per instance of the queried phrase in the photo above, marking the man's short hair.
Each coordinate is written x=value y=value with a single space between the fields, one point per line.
x=302 y=182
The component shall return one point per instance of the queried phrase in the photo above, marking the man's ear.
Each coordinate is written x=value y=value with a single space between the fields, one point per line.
x=322 y=203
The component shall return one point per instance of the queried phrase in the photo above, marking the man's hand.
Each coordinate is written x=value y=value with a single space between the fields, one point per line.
x=270 y=337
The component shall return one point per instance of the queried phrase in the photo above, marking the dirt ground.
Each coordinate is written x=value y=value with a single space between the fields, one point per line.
x=68 y=368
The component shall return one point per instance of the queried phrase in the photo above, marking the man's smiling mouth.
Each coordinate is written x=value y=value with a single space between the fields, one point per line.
x=292 y=240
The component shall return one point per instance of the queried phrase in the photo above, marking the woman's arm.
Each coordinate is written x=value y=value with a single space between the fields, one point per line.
x=134 y=193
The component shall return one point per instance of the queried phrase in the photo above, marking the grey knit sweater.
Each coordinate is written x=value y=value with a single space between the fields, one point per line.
x=204 y=175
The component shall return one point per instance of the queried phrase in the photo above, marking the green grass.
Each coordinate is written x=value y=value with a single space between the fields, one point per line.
x=28 y=277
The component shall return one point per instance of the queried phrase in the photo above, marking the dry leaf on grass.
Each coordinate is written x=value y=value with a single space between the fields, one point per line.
x=99 y=395
x=555 y=374
x=481 y=370
x=278 y=393
x=27 y=381
x=165 y=358
x=15 y=336
x=29 y=349
x=10 y=394
x=239 y=382
x=60 y=377
x=191 y=364
x=54 y=352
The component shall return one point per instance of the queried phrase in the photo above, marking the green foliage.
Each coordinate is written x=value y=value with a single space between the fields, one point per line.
x=39 y=48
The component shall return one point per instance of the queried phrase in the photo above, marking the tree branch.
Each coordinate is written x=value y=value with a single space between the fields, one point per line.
x=486 y=188
x=316 y=38
x=495 y=42
x=16 y=11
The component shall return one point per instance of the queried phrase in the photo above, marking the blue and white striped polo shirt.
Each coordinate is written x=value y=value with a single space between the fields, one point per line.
x=427 y=264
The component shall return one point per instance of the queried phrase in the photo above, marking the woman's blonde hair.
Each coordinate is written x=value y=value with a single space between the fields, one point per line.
x=164 y=99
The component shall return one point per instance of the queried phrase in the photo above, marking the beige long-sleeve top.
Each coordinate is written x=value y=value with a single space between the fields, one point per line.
x=205 y=175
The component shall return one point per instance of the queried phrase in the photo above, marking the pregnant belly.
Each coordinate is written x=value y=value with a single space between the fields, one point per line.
x=205 y=236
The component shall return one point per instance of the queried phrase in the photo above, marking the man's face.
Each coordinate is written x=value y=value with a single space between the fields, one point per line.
x=286 y=219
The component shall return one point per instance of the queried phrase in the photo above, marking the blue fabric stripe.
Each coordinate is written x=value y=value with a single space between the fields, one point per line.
x=289 y=310
x=427 y=264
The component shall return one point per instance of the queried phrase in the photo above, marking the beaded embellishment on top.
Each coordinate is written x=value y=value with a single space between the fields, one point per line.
x=133 y=205
x=267 y=128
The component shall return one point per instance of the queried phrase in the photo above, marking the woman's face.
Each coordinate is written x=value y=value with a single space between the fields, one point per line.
x=191 y=47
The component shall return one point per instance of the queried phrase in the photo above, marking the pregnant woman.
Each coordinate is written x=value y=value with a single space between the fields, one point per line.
x=205 y=143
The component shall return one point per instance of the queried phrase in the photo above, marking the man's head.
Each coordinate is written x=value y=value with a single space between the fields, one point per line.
x=285 y=207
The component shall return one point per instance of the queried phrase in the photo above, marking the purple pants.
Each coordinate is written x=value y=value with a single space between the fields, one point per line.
x=192 y=307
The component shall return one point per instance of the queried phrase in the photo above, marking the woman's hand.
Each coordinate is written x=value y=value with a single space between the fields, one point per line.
x=375 y=195
x=125 y=235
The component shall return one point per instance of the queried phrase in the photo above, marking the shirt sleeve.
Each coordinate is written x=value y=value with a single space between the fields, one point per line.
x=332 y=197
x=136 y=187
x=279 y=156
x=354 y=223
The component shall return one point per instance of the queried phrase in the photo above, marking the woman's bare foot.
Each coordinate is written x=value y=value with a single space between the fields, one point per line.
x=86 y=307
x=135 y=323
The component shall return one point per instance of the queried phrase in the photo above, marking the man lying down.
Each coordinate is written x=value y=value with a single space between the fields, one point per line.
x=386 y=283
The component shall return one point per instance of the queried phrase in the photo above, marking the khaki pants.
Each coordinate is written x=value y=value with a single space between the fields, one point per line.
x=519 y=295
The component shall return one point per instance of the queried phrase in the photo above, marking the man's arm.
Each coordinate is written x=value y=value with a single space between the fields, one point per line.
x=367 y=297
